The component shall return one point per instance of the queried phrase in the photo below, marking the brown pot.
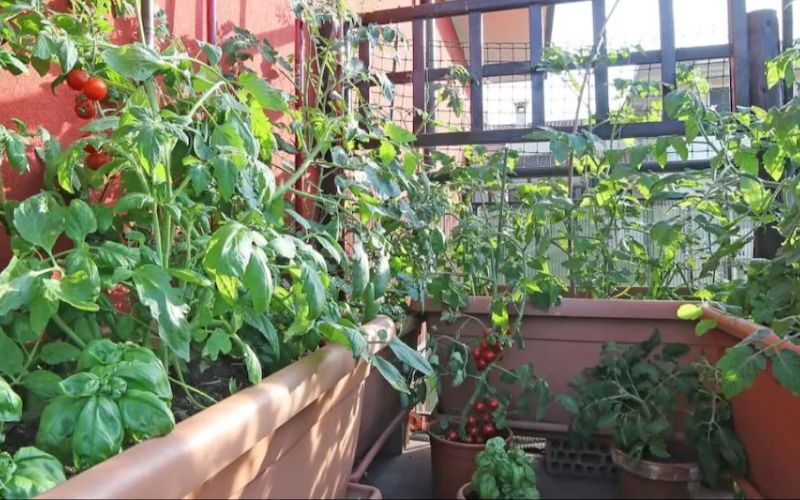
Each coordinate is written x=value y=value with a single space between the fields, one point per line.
x=453 y=463
x=291 y=436
x=655 y=480
x=462 y=492
x=357 y=491
x=765 y=417
x=562 y=341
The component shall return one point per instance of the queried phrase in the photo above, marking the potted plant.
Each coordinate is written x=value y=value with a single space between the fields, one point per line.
x=158 y=311
x=501 y=473
x=669 y=420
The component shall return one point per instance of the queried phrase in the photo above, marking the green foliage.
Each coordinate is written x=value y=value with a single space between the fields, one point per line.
x=28 y=473
x=200 y=260
x=640 y=390
x=122 y=395
x=503 y=474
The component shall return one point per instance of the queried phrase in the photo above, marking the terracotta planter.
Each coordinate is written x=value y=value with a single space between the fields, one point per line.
x=453 y=463
x=357 y=491
x=655 y=480
x=292 y=436
x=765 y=417
x=383 y=419
x=564 y=340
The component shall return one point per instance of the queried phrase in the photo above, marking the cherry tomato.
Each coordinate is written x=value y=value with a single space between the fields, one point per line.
x=482 y=364
x=77 y=78
x=452 y=435
x=489 y=356
x=470 y=440
x=56 y=275
x=488 y=430
x=493 y=404
x=480 y=407
x=473 y=430
x=471 y=420
x=97 y=160
x=89 y=149
x=487 y=417
x=484 y=344
x=85 y=110
x=477 y=353
x=95 y=89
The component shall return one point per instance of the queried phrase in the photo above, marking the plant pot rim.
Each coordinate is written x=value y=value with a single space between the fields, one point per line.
x=573 y=308
x=741 y=328
x=465 y=446
x=462 y=492
x=657 y=471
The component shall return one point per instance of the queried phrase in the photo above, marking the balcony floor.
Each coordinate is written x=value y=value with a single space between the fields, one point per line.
x=409 y=476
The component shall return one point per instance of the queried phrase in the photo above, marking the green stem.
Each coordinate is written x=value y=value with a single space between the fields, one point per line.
x=69 y=331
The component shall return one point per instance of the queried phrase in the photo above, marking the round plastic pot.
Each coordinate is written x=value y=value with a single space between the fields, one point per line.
x=765 y=417
x=655 y=480
x=453 y=463
x=462 y=492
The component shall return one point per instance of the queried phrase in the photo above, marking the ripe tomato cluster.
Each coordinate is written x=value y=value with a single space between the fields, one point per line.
x=480 y=424
x=92 y=89
x=486 y=352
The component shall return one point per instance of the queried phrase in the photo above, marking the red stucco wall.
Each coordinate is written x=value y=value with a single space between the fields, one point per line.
x=29 y=98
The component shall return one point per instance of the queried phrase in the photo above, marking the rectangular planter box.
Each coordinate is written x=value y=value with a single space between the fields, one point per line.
x=292 y=436
x=564 y=340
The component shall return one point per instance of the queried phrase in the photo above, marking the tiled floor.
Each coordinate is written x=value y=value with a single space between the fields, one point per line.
x=409 y=476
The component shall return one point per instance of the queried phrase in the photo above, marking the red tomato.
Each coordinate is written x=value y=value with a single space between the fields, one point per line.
x=89 y=149
x=471 y=420
x=493 y=404
x=477 y=353
x=452 y=436
x=472 y=430
x=77 y=78
x=489 y=356
x=85 y=110
x=56 y=275
x=470 y=440
x=488 y=430
x=482 y=364
x=95 y=89
x=97 y=160
x=479 y=406
x=484 y=344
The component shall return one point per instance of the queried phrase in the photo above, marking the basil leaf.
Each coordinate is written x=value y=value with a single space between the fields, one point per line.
x=98 y=432
x=145 y=415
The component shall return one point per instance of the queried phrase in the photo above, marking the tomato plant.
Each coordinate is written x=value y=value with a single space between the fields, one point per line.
x=199 y=239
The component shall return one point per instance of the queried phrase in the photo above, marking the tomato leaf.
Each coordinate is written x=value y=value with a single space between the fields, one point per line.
x=166 y=306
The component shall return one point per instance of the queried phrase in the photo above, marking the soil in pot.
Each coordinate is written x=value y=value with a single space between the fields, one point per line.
x=453 y=462
x=676 y=478
x=216 y=381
